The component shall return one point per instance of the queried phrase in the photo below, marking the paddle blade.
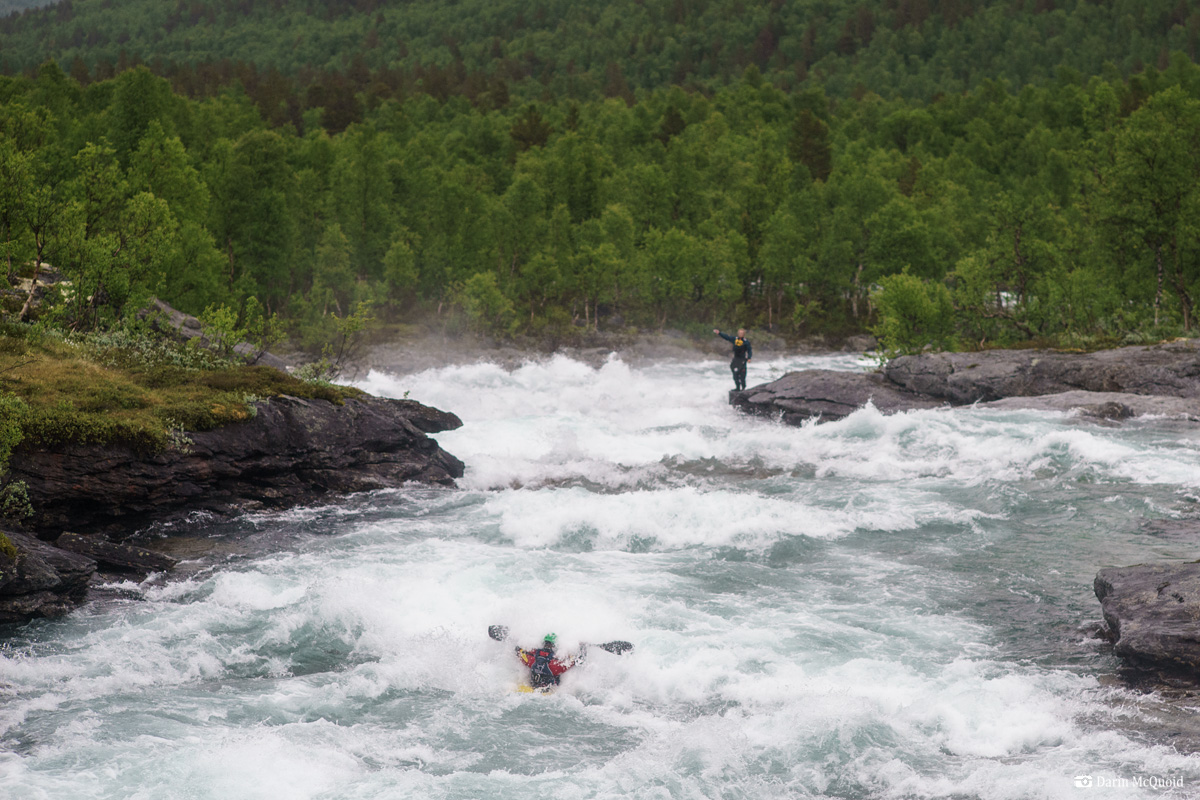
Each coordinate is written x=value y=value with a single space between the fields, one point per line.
x=498 y=632
x=616 y=648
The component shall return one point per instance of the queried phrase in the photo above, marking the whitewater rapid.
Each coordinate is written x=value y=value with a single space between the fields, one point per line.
x=879 y=607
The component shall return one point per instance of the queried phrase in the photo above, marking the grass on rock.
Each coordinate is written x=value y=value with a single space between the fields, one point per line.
x=131 y=389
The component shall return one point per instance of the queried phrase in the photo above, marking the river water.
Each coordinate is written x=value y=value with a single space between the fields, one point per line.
x=880 y=607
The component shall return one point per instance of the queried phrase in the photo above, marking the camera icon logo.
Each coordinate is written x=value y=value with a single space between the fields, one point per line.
x=1083 y=781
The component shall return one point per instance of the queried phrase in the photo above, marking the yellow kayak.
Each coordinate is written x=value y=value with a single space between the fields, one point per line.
x=525 y=688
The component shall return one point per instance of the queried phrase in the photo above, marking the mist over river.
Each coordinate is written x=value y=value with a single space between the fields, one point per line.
x=880 y=607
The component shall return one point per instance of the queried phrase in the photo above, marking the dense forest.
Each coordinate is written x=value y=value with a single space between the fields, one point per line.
x=561 y=49
x=1063 y=210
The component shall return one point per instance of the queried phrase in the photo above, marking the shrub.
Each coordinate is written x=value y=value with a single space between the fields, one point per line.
x=913 y=315
x=486 y=307
x=7 y=548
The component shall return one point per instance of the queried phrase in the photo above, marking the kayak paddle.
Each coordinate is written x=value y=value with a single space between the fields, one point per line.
x=500 y=633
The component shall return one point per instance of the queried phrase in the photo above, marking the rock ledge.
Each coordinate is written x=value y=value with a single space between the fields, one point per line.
x=1161 y=379
x=291 y=451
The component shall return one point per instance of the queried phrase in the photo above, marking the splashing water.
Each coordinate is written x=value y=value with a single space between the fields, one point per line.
x=875 y=607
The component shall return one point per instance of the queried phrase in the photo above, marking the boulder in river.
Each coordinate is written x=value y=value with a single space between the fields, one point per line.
x=826 y=394
x=1153 y=612
x=40 y=580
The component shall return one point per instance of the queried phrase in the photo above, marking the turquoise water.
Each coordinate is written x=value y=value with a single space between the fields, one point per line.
x=881 y=607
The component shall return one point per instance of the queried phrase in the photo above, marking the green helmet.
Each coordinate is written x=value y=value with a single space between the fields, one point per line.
x=549 y=638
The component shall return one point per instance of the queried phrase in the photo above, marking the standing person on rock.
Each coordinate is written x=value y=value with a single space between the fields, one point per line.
x=742 y=353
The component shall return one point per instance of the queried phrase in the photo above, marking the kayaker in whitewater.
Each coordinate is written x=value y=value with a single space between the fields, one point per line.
x=546 y=668
x=742 y=353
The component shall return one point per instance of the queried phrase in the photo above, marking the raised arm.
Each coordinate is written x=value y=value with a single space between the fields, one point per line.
x=559 y=666
x=724 y=336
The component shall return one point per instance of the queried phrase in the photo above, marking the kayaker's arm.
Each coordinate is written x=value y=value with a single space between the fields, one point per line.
x=559 y=666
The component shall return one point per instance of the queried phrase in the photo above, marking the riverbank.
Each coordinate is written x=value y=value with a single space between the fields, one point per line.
x=101 y=436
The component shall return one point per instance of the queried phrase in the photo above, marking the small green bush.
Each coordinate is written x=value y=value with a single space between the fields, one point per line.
x=140 y=350
x=913 y=315
x=14 y=501
x=8 y=549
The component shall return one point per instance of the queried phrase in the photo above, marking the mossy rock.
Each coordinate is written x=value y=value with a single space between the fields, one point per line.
x=8 y=549
x=131 y=391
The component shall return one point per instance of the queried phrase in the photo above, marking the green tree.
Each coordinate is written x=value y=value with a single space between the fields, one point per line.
x=252 y=218
x=139 y=98
x=1149 y=188
x=161 y=166
x=362 y=196
x=400 y=274
x=913 y=314
x=809 y=144
x=16 y=184
x=486 y=307
x=670 y=259
x=333 y=276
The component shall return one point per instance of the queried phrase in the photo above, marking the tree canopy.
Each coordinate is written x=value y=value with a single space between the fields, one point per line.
x=1057 y=210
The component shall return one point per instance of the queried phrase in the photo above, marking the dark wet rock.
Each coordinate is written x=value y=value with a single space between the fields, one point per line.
x=1112 y=385
x=292 y=451
x=859 y=344
x=1105 y=405
x=116 y=555
x=1183 y=530
x=1171 y=369
x=42 y=581
x=826 y=394
x=1153 y=611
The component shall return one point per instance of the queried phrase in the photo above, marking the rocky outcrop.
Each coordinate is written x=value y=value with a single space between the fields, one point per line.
x=118 y=556
x=1171 y=369
x=291 y=451
x=1112 y=384
x=1153 y=613
x=39 y=580
x=826 y=394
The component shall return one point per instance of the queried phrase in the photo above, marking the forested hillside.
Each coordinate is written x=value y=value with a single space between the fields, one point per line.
x=569 y=49
x=1063 y=210
x=1067 y=210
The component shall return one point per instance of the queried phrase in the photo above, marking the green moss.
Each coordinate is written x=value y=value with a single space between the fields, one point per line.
x=129 y=390
x=268 y=382
x=63 y=425
x=7 y=548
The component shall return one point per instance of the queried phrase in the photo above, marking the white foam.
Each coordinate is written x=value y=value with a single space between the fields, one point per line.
x=802 y=601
